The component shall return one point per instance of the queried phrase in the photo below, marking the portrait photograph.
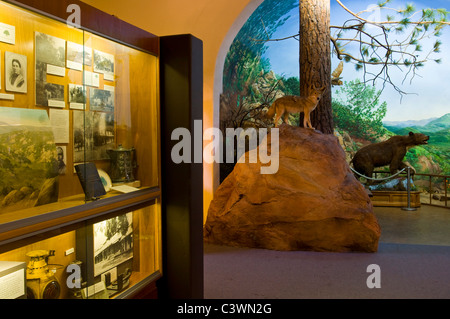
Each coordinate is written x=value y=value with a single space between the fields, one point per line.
x=62 y=159
x=15 y=72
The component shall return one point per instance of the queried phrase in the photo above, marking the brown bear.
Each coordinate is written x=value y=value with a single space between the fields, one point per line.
x=389 y=152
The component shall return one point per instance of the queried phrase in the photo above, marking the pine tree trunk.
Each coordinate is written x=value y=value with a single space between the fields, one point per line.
x=315 y=59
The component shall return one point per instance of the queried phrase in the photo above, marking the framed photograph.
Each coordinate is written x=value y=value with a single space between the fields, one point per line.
x=16 y=72
x=104 y=63
x=77 y=55
x=77 y=96
x=50 y=49
x=106 y=247
x=101 y=100
x=50 y=94
x=93 y=134
x=113 y=242
x=62 y=159
x=41 y=72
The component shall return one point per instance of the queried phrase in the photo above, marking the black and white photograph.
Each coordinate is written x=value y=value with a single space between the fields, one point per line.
x=50 y=49
x=16 y=72
x=49 y=94
x=41 y=71
x=93 y=134
x=113 y=242
x=103 y=63
x=77 y=55
x=101 y=100
x=77 y=96
x=62 y=159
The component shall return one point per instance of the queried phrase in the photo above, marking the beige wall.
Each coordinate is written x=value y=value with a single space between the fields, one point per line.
x=215 y=22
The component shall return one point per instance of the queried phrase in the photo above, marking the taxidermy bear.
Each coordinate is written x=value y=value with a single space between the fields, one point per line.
x=389 y=152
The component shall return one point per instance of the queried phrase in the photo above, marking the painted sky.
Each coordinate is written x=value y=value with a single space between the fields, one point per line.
x=429 y=96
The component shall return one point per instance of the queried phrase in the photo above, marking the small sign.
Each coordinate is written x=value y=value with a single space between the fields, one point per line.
x=7 y=33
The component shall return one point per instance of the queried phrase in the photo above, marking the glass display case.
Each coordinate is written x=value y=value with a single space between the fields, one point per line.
x=80 y=173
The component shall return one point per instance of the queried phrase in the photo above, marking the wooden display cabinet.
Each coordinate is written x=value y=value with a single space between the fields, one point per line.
x=117 y=66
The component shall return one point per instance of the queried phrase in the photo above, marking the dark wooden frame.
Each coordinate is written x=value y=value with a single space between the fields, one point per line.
x=181 y=68
x=17 y=233
x=95 y=21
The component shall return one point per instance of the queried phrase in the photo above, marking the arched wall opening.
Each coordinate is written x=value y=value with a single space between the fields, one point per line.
x=218 y=78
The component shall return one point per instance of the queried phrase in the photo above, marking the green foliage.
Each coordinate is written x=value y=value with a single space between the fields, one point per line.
x=437 y=148
x=27 y=158
x=401 y=40
x=357 y=109
x=292 y=85
x=245 y=69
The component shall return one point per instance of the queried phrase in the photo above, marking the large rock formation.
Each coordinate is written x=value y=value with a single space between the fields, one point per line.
x=313 y=202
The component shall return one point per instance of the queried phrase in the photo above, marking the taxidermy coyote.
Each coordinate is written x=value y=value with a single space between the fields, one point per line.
x=291 y=104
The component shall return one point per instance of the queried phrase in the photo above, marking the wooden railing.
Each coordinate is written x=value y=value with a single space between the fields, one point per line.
x=444 y=198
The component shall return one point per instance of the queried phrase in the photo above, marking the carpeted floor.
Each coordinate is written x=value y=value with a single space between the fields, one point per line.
x=413 y=256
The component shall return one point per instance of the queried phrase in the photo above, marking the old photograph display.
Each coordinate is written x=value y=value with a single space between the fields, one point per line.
x=16 y=72
x=93 y=131
x=78 y=55
x=50 y=59
x=101 y=100
x=50 y=49
x=61 y=150
x=113 y=242
x=104 y=63
x=50 y=94
x=77 y=96
x=93 y=134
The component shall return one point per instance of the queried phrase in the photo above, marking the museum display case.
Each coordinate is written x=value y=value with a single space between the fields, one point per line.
x=80 y=173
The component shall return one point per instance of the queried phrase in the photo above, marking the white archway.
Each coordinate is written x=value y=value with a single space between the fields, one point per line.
x=220 y=61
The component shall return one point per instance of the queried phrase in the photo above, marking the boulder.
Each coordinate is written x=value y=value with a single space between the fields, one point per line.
x=313 y=202
x=49 y=192
x=13 y=197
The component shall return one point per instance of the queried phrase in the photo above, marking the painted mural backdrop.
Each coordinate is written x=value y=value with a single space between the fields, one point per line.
x=258 y=71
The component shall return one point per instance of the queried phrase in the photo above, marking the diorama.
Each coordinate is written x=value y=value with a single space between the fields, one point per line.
x=28 y=157
x=71 y=108
x=359 y=125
